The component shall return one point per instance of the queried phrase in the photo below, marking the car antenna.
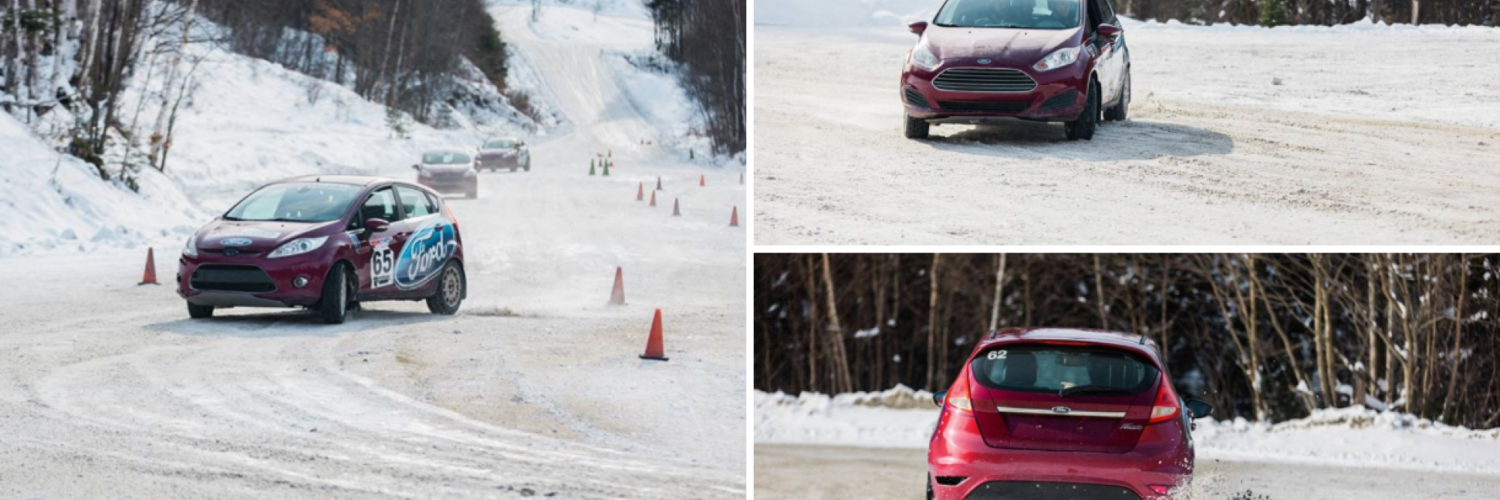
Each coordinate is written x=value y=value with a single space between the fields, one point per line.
x=1143 y=340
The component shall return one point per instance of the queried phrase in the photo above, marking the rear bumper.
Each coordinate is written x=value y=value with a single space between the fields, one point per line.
x=279 y=272
x=958 y=451
x=1059 y=96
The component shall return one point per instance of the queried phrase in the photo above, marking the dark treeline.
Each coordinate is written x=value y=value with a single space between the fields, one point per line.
x=1322 y=12
x=397 y=52
x=1260 y=336
x=707 y=37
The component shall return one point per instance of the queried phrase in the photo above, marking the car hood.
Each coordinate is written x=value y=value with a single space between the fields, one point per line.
x=258 y=236
x=1016 y=48
x=446 y=169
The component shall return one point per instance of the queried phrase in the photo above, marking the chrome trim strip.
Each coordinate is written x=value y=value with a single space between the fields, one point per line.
x=1071 y=413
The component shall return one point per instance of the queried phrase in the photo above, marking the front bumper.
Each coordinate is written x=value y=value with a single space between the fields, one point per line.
x=986 y=472
x=1059 y=96
x=450 y=184
x=498 y=161
x=206 y=289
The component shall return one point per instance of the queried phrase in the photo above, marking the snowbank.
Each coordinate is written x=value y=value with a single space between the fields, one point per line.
x=903 y=418
x=843 y=13
x=58 y=202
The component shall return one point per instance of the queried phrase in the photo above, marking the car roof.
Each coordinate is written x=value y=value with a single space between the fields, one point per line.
x=1130 y=341
x=357 y=180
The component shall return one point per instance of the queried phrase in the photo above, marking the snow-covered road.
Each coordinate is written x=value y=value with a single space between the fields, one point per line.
x=819 y=472
x=107 y=390
x=1371 y=135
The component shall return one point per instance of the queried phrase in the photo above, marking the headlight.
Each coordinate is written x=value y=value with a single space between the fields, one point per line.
x=191 y=248
x=424 y=173
x=922 y=57
x=298 y=246
x=1058 y=59
x=470 y=173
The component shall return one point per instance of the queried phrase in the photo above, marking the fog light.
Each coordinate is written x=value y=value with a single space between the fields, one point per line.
x=1160 y=489
x=299 y=281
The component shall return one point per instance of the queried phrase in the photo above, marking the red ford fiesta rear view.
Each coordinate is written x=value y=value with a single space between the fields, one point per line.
x=1062 y=414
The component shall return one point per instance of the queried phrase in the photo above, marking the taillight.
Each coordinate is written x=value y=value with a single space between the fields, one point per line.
x=1166 y=406
x=958 y=395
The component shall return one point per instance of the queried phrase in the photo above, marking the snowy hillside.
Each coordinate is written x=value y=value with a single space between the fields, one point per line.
x=843 y=13
x=1348 y=436
x=55 y=201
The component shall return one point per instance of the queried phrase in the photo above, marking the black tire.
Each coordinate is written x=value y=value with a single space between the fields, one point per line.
x=337 y=294
x=196 y=311
x=917 y=128
x=528 y=167
x=472 y=192
x=1083 y=128
x=929 y=487
x=512 y=170
x=1121 y=110
x=451 y=288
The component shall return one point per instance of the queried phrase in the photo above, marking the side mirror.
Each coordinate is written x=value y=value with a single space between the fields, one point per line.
x=1110 y=30
x=1199 y=409
x=937 y=398
x=376 y=225
x=416 y=167
x=918 y=27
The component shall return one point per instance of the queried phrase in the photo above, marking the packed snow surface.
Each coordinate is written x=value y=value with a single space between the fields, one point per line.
x=1376 y=134
x=1353 y=436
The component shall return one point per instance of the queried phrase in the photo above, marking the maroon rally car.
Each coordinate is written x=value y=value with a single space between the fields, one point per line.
x=326 y=243
x=1062 y=414
x=448 y=172
x=1041 y=60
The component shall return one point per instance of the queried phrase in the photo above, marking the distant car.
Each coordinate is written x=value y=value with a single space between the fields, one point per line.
x=1062 y=413
x=504 y=153
x=981 y=61
x=448 y=172
x=326 y=243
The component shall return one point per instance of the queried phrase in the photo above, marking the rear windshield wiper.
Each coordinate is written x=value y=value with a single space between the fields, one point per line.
x=1090 y=389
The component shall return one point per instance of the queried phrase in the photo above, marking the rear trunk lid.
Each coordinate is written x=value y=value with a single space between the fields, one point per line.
x=1062 y=397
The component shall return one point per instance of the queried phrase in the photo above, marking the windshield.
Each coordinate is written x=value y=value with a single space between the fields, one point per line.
x=1029 y=14
x=500 y=144
x=445 y=158
x=296 y=202
x=1063 y=370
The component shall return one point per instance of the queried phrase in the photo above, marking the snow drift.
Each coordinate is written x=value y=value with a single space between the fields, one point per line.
x=1356 y=436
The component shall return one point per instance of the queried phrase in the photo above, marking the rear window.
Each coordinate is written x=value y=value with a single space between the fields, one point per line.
x=1063 y=369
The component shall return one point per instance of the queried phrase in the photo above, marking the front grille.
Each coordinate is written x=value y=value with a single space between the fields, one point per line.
x=1031 y=490
x=915 y=98
x=229 y=278
x=988 y=107
x=984 y=80
x=1061 y=101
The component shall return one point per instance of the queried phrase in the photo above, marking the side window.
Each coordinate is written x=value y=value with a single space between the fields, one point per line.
x=1107 y=11
x=437 y=204
x=415 y=202
x=380 y=205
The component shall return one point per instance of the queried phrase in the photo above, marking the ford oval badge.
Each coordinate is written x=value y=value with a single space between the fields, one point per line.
x=235 y=242
x=985 y=61
x=1061 y=409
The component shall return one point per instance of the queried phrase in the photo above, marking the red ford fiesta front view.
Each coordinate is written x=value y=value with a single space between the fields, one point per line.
x=1061 y=415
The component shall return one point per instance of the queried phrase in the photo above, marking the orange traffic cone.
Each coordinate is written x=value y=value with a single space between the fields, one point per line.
x=701 y=181
x=653 y=343
x=658 y=183
x=653 y=198
x=675 y=211
x=149 y=278
x=640 y=192
x=617 y=297
x=734 y=217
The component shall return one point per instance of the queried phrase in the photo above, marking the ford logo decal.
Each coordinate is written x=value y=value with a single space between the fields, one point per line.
x=985 y=61
x=235 y=242
x=1061 y=409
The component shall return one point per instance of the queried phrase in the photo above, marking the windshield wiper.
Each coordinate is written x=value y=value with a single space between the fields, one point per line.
x=1089 y=389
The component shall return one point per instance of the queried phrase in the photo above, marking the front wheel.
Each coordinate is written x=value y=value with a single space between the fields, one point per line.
x=196 y=311
x=917 y=128
x=450 y=291
x=337 y=292
x=472 y=192
x=1083 y=127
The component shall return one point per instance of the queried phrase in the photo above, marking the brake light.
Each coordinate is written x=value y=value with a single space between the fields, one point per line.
x=958 y=395
x=1166 y=406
